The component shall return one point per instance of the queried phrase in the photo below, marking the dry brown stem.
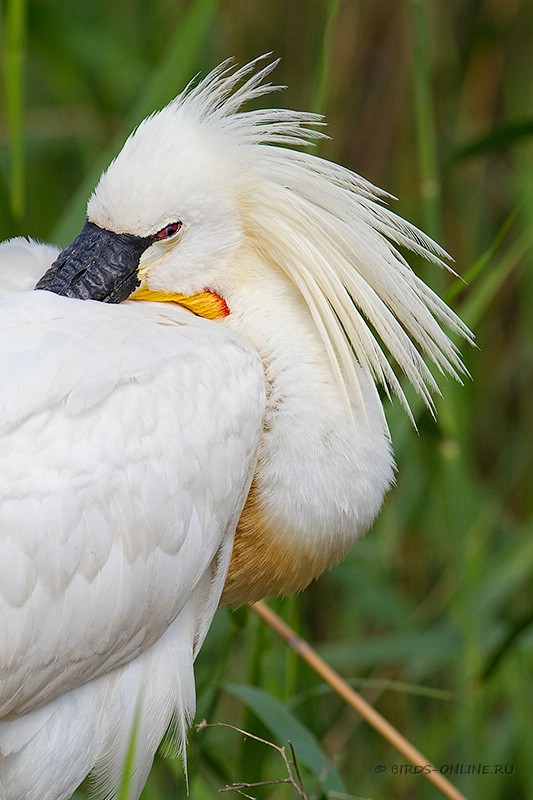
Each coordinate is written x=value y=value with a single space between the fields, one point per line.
x=355 y=700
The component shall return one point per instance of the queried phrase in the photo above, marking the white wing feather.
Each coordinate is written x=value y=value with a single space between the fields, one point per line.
x=23 y=262
x=128 y=437
x=120 y=476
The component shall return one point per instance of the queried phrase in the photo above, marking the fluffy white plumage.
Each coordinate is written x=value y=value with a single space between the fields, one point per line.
x=120 y=493
x=129 y=434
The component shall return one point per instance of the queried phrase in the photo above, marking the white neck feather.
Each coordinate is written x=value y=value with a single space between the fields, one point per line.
x=322 y=472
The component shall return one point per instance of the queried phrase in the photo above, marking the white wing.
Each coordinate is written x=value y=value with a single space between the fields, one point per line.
x=127 y=444
x=23 y=262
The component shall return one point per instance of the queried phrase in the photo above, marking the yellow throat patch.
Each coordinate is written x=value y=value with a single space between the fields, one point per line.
x=206 y=304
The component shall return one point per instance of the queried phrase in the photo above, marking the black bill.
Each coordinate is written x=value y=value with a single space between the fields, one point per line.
x=98 y=265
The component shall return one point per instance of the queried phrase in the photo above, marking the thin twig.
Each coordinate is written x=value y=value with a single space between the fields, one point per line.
x=297 y=769
x=238 y=787
x=355 y=700
x=295 y=782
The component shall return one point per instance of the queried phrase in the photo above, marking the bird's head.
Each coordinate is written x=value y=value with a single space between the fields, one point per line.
x=164 y=217
x=173 y=189
x=201 y=179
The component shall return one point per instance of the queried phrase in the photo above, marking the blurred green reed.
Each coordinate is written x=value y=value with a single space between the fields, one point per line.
x=13 y=64
x=431 y=613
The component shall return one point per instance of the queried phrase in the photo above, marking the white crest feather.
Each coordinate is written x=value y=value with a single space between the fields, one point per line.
x=330 y=231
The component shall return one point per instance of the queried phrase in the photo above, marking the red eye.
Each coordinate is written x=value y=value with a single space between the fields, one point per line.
x=168 y=231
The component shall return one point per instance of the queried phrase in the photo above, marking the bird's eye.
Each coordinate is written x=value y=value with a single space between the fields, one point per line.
x=168 y=231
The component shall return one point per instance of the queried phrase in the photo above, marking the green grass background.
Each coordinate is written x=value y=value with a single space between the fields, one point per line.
x=430 y=616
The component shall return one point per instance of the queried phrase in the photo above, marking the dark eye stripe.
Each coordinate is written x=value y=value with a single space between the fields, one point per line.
x=168 y=230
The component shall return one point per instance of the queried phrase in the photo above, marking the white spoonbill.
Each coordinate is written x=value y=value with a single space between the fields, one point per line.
x=154 y=462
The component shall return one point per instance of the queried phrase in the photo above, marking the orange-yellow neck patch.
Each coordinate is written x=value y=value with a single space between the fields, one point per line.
x=206 y=304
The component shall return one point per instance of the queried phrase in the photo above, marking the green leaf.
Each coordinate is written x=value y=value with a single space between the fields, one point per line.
x=489 y=284
x=496 y=140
